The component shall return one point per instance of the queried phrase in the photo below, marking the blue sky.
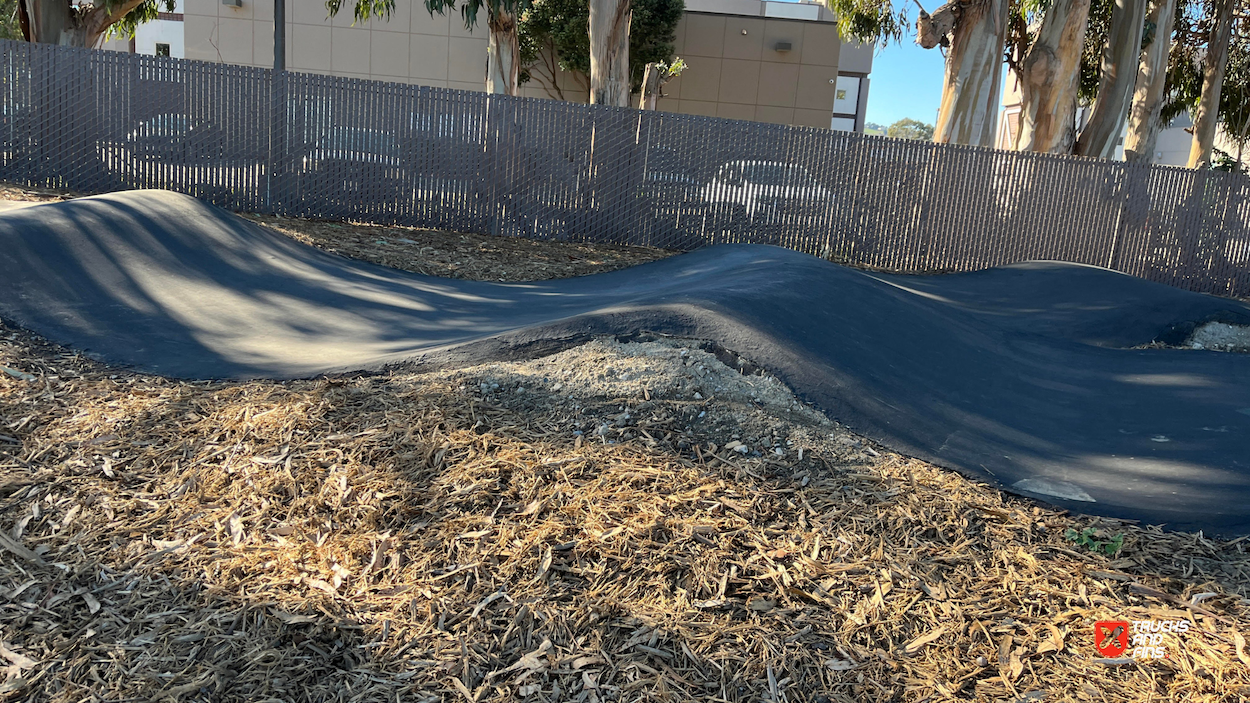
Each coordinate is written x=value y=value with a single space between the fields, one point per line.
x=906 y=81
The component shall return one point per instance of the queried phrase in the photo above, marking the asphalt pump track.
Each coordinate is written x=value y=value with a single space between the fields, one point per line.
x=1028 y=376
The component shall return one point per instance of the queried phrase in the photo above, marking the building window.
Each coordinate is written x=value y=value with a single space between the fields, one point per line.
x=162 y=49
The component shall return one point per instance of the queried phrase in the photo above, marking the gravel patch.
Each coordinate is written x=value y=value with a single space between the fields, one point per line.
x=612 y=391
x=1220 y=336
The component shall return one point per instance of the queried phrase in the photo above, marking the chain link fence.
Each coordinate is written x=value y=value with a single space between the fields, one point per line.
x=326 y=147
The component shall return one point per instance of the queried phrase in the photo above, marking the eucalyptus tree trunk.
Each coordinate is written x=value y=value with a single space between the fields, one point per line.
x=1120 y=59
x=1144 y=124
x=503 y=54
x=1051 y=73
x=53 y=21
x=1212 y=82
x=974 y=67
x=609 y=52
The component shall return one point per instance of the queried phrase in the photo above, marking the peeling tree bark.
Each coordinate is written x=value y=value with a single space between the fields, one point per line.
x=1051 y=72
x=1212 y=82
x=1144 y=124
x=652 y=81
x=1120 y=59
x=975 y=32
x=54 y=22
x=503 y=54
x=609 y=52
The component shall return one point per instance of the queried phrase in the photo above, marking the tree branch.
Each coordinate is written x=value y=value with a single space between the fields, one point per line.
x=933 y=30
x=96 y=22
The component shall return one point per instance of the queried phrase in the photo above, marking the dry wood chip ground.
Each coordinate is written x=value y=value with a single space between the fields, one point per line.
x=617 y=522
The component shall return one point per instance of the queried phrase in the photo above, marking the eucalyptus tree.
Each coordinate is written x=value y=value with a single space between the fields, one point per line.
x=555 y=38
x=1206 y=114
x=84 y=23
x=503 y=48
x=973 y=33
x=1149 y=97
x=609 y=51
x=1119 y=56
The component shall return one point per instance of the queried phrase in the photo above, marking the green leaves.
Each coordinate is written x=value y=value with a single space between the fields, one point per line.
x=674 y=69
x=563 y=25
x=908 y=128
x=874 y=21
x=364 y=9
x=124 y=28
x=1090 y=539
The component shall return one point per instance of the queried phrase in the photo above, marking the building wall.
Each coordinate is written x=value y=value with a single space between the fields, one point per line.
x=736 y=70
x=736 y=67
x=169 y=32
x=410 y=46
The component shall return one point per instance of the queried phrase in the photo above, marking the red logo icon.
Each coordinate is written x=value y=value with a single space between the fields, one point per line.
x=1111 y=637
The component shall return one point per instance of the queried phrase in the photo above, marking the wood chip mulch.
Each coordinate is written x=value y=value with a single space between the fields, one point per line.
x=403 y=538
x=476 y=257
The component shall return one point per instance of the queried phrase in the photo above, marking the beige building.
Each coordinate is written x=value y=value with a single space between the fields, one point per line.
x=760 y=60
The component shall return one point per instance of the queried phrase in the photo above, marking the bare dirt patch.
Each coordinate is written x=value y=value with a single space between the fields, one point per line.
x=580 y=527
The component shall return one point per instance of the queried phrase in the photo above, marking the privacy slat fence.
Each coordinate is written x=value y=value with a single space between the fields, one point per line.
x=319 y=146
